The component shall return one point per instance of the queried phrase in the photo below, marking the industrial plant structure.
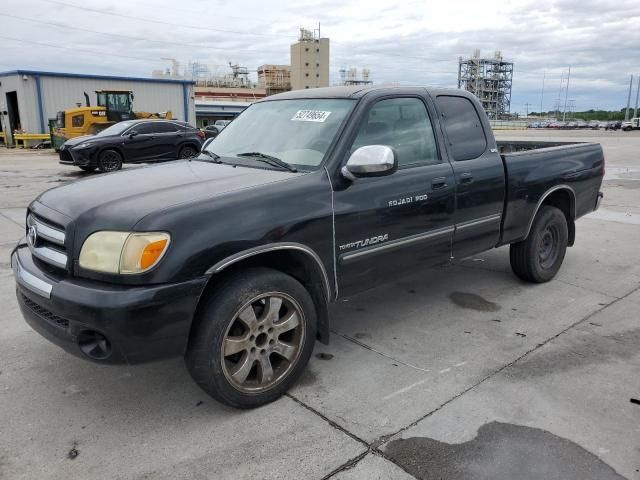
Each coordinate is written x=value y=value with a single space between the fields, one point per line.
x=274 y=78
x=349 y=76
x=489 y=79
x=310 y=61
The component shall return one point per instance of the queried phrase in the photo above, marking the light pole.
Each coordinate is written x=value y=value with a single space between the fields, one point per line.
x=626 y=112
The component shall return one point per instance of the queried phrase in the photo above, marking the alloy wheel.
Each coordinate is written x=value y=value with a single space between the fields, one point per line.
x=110 y=161
x=263 y=342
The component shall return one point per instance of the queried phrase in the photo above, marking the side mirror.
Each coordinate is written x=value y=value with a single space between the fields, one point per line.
x=370 y=161
x=206 y=143
x=132 y=133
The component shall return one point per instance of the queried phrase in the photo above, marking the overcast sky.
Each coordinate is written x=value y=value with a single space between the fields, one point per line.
x=416 y=42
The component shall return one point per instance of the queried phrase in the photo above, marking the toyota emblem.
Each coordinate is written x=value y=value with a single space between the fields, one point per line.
x=32 y=235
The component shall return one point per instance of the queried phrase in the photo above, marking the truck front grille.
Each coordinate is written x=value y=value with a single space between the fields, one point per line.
x=45 y=314
x=47 y=242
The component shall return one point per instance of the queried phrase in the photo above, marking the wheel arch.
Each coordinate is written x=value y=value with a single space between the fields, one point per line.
x=189 y=143
x=115 y=148
x=562 y=197
x=294 y=259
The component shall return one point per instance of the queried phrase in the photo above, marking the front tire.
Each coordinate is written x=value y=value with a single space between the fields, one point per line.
x=252 y=338
x=538 y=258
x=109 y=161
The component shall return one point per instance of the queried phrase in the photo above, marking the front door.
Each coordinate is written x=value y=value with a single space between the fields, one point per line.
x=479 y=176
x=403 y=221
x=142 y=146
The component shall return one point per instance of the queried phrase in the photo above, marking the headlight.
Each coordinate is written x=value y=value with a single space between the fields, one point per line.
x=85 y=145
x=123 y=252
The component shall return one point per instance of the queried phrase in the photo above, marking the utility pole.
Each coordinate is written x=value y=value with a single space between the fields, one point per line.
x=544 y=74
x=560 y=93
x=626 y=112
x=566 y=95
x=526 y=105
x=635 y=110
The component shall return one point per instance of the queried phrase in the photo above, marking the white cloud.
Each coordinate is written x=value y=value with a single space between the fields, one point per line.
x=409 y=41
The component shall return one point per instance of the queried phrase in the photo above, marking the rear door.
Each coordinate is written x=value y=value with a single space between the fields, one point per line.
x=167 y=136
x=479 y=174
x=398 y=223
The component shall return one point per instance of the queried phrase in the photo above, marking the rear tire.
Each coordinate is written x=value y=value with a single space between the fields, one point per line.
x=252 y=337
x=538 y=258
x=187 y=152
x=109 y=161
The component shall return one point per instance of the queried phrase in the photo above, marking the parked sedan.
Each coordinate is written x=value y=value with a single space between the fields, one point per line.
x=132 y=141
x=212 y=131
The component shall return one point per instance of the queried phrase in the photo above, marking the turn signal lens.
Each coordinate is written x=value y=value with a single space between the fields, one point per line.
x=142 y=251
x=152 y=253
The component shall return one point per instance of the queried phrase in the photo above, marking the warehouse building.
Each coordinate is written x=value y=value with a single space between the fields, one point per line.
x=29 y=99
x=208 y=111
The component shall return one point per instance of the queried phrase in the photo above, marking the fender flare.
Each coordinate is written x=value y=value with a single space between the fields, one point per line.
x=323 y=308
x=572 y=205
x=272 y=247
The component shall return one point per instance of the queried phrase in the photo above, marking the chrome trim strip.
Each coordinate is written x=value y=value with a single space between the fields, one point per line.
x=50 y=256
x=401 y=242
x=333 y=229
x=230 y=260
x=544 y=196
x=45 y=231
x=478 y=221
x=28 y=280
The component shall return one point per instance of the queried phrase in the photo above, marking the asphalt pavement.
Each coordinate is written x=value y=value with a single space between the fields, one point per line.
x=461 y=372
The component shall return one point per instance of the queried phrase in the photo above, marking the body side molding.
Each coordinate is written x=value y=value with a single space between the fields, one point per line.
x=394 y=244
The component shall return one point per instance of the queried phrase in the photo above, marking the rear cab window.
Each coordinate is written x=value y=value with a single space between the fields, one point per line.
x=465 y=135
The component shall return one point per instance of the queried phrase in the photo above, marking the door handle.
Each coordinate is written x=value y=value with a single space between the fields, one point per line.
x=466 y=178
x=440 y=182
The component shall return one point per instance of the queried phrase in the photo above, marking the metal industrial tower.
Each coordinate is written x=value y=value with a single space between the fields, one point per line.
x=490 y=80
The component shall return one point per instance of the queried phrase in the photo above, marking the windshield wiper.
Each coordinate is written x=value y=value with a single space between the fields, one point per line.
x=271 y=160
x=214 y=156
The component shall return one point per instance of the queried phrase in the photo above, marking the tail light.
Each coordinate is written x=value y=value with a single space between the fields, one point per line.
x=201 y=134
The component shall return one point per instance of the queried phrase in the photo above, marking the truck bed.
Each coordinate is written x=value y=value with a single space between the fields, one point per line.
x=533 y=169
x=514 y=146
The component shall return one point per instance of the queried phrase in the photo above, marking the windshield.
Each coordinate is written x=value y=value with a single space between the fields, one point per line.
x=298 y=132
x=116 y=129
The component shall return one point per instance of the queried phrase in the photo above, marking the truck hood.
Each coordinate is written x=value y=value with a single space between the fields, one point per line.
x=121 y=199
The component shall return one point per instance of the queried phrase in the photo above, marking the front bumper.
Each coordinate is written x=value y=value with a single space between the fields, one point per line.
x=138 y=323
x=598 y=200
x=83 y=157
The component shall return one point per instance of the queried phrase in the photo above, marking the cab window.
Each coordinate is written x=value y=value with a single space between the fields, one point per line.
x=142 y=128
x=404 y=125
x=462 y=123
x=77 y=120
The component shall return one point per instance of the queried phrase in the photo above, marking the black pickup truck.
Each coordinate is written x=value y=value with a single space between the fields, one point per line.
x=231 y=258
